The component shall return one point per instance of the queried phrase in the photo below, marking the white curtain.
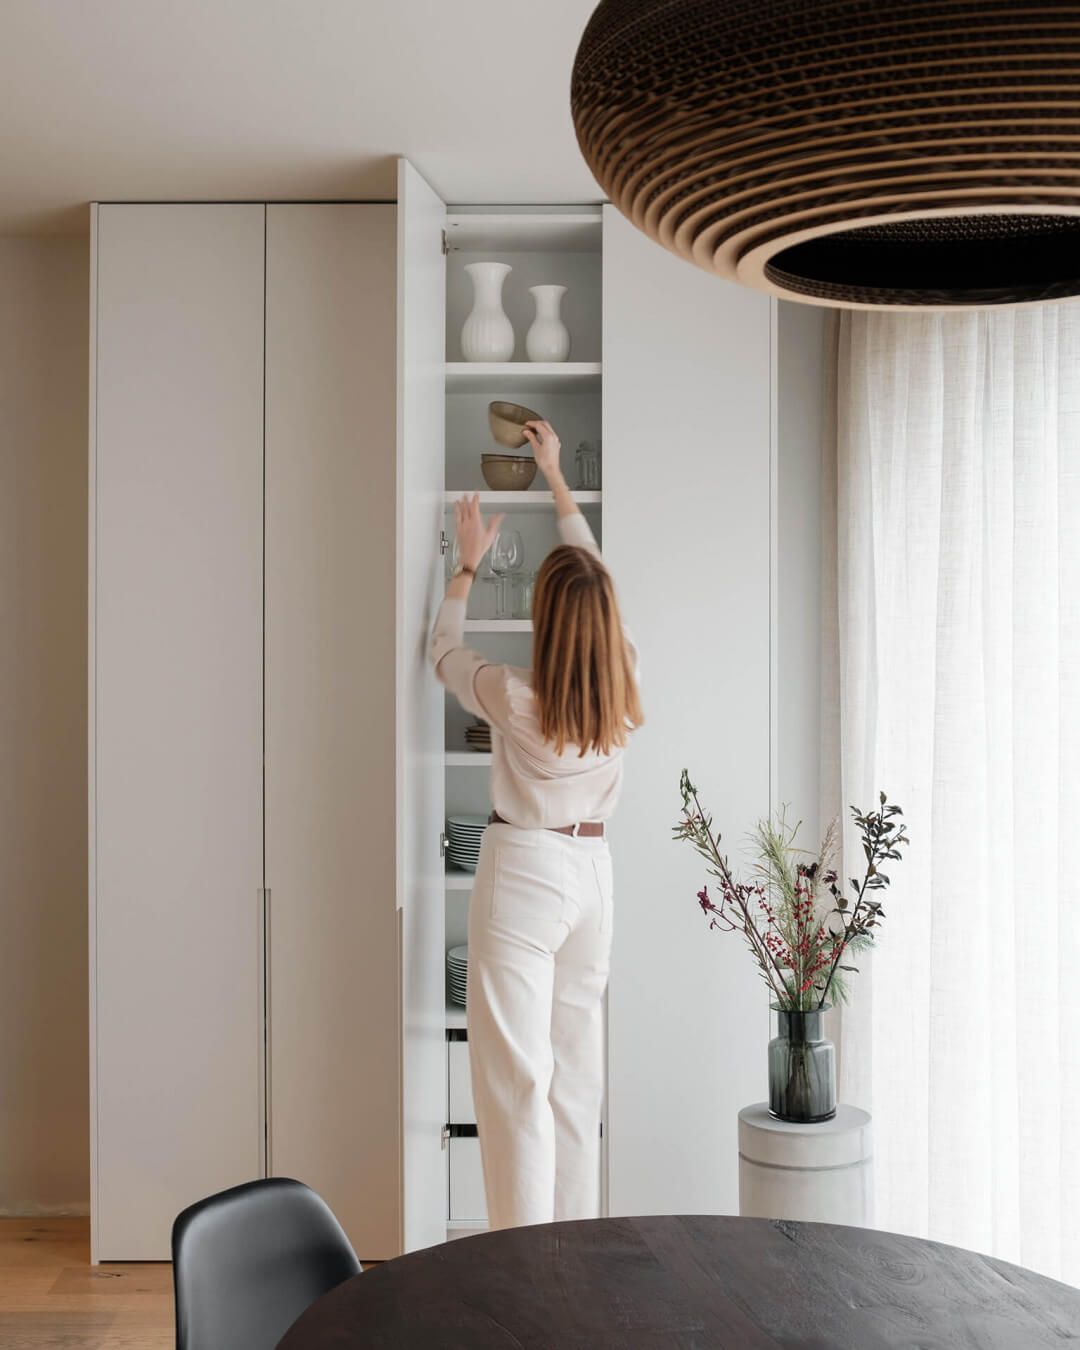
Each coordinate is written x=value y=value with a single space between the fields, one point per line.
x=954 y=617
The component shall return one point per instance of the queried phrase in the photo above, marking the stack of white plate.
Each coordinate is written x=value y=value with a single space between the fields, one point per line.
x=464 y=834
x=457 y=967
x=478 y=736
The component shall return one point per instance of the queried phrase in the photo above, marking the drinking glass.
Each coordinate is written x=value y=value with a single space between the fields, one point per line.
x=587 y=463
x=524 y=586
x=507 y=557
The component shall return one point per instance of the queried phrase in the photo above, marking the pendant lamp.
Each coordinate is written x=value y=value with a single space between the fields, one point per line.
x=867 y=154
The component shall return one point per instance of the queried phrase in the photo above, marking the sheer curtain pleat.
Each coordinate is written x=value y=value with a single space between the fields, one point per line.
x=953 y=647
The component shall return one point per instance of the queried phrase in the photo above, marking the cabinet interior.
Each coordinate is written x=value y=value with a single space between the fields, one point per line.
x=542 y=247
x=558 y=247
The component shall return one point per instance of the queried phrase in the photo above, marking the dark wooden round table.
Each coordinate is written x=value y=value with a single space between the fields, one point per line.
x=685 y=1282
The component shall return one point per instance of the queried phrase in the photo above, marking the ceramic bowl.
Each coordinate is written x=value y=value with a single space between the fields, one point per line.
x=506 y=421
x=508 y=473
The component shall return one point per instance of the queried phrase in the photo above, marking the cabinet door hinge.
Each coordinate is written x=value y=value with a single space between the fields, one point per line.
x=445 y=244
x=444 y=543
x=445 y=1135
x=443 y=841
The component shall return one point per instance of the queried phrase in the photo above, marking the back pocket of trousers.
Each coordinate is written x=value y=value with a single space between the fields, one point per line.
x=529 y=883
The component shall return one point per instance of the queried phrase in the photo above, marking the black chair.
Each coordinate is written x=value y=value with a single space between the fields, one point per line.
x=248 y=1261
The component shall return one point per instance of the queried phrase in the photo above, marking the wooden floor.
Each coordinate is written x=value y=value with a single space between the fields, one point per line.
x=51 y=1296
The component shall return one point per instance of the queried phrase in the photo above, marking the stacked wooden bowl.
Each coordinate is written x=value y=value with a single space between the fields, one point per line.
x=509 y=473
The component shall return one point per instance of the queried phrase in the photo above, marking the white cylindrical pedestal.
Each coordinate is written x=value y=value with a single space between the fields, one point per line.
x=816 y=1173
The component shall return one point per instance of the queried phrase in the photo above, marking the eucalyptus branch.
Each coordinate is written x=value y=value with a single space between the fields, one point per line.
x=881 y=840
x=843 y=938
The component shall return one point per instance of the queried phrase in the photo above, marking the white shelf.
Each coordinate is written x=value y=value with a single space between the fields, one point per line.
x=467 y=759
x=457 y=880
x=524 y=377
x=525 y=232
x=455 y=1017
x=498 y=625
x=524 y=501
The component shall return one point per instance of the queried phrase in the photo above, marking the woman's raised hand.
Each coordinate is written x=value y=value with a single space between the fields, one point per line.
x=546 y=446
x=474 y=535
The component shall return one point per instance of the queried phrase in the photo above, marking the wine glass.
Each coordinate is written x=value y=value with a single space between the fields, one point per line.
x=453 y=558
x=507 y=557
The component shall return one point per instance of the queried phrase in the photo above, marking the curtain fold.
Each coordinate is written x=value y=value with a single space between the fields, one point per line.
x=952 y=682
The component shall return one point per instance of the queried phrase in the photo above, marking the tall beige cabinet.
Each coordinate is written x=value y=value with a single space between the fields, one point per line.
x=176 y=830
x=242 y=624
x=332 y=1089
x=281 y=419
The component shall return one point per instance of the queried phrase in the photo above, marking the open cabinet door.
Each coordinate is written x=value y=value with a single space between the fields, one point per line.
x=421 y=335
x=687 y=437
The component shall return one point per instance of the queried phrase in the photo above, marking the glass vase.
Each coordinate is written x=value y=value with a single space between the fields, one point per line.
x=802 y=1067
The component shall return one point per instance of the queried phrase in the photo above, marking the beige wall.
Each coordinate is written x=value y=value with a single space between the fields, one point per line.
x=44 y=1115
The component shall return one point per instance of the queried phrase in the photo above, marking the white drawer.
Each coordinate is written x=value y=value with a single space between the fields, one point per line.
x=466 y=1181
x=459 y=1084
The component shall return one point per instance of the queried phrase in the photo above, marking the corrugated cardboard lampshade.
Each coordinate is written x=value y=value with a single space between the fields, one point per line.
x=861 y=153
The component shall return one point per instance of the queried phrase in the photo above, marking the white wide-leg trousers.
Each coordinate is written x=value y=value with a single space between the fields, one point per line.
x=539 y=948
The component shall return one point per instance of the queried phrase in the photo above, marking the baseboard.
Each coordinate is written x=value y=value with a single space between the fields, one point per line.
x=79 y=1210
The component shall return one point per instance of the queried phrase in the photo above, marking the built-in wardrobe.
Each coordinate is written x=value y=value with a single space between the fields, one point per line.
x=279 y=422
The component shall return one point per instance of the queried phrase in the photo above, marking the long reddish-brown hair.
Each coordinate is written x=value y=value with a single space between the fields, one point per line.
x=583 y=678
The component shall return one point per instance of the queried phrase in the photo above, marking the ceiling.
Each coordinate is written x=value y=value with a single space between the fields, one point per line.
x=282 y=99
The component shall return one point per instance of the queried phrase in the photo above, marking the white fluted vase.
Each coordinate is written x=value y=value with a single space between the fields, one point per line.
x=488 y=334
x=548 y=339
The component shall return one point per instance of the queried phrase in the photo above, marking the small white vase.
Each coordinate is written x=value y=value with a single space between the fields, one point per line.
x=548 y=339
x=488 y=334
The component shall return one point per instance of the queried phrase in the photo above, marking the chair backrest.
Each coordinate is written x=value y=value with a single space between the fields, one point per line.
x=248 y=1261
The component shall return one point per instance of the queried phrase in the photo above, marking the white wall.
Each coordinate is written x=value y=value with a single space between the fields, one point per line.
x=687 y=416
x=44 y=1114
x=800 y=419
x=690 y=498
x=802 y=340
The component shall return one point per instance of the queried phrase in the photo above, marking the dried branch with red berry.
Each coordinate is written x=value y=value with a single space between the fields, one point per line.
x=797 y=936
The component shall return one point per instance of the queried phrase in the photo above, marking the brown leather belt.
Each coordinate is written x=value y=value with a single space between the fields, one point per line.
x=587 y=829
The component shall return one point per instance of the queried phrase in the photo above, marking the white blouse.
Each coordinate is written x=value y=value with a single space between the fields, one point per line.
x=531 y=786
